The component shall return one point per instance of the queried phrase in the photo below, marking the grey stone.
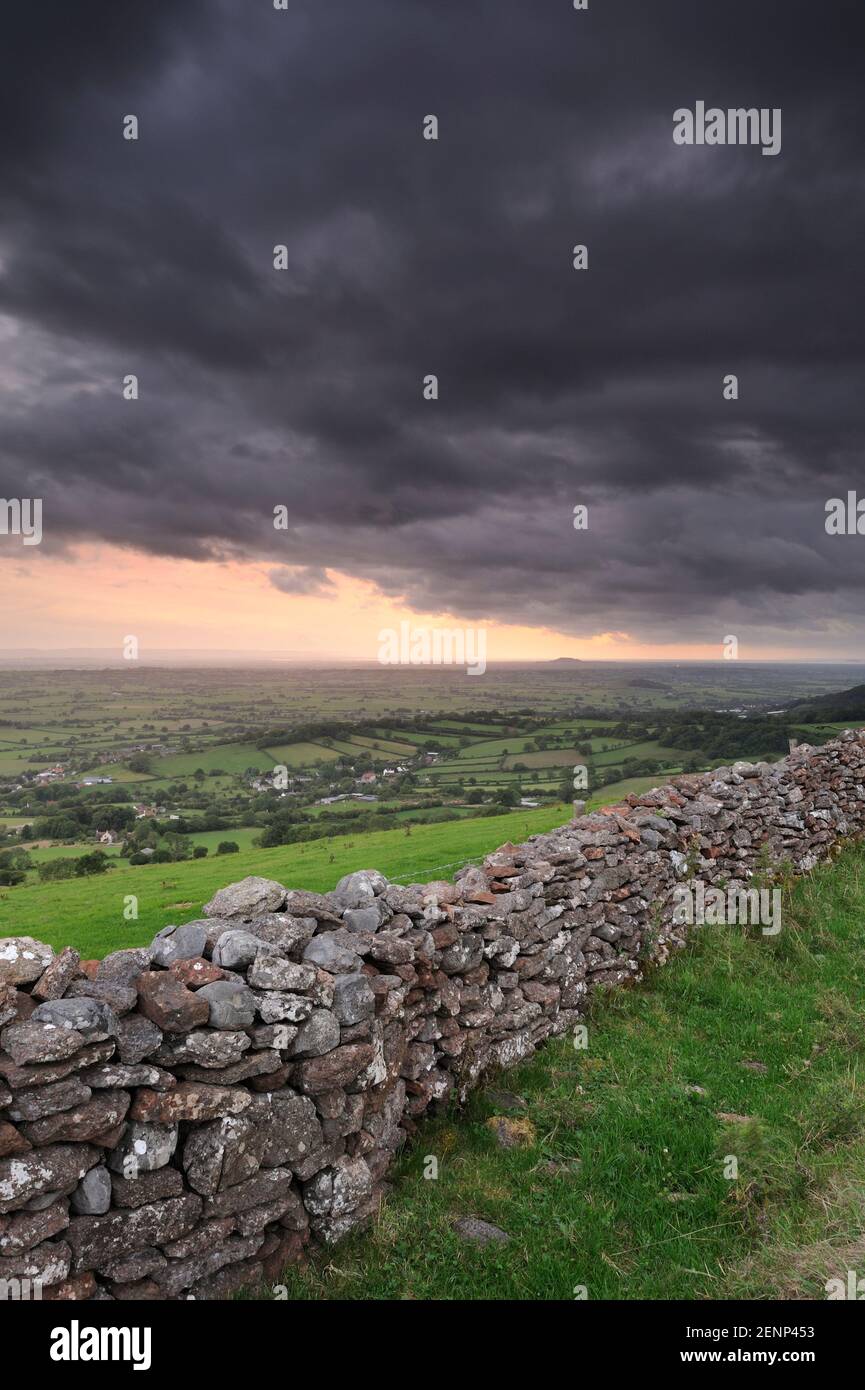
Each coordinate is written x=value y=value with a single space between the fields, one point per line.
x=223 y=1152
x=124 y=967
x=236 y=950
x=46 y=1100
x=318 y=1035
x=180 y=943
x=137 y=1038
x=92 y=1196
x=479 y=1232
x=367 y=919
x=353 y=998
x=92 y=1018
x=35 y=1041
x=359 y=889
x=251 y=897
x=232 y=1005
x=328 y=951
x=49 y=1169
x=272 y=972
x=23 y=960
x=275 y=1007
x=143 y=1148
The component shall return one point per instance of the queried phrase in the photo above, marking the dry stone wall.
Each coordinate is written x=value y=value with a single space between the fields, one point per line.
x=180 y=1120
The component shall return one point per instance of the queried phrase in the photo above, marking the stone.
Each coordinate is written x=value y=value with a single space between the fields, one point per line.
x=43 y=1170
x=223 y=1153
x=512 y=1133
x=266 y=1186
x=330 y=952
x=12 y=1141
x=96 y=1240
x=275 y=1007
x=113 y=1074
x=130 y=1268
x=318 y=1035
x=143 y=1148
x=274 y=1035
x=9 y=997
x=205 y=1237
x=178 y=1275
x=287 y=935
x=363 y=919
x=178 y=943
x=189 y=1100
x=273 y=973
x=119 y=998
x=251 y=897
x=28 y=1228
x=123 y=967
x=195 y=972
x=58 y=975
x=84 y=1123
x=231 y=1005
x=340 y=1067
x=23 y=960
x=43 y=1074
x=137 y=1037
x=46 y=1264
x=169 y=1005
x=91 y=1018
x=46 y=1100
x=236 y=950
x=479 y=1232
x=353 y=999
x=253 y=1065
x=359 y=889
x=151 y=1185
x=291 y=1130
x=301 y=903
x=76 y=1289
x=92 y=1196
x=206 y=1048
x=40 y=1042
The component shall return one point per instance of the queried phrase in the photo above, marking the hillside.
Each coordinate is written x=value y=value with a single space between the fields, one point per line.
x=845 y=705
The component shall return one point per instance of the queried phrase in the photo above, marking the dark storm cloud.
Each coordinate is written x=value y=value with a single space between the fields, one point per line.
x=302 y=387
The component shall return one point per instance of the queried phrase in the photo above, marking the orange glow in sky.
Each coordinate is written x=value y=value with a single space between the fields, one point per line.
x=95 y=596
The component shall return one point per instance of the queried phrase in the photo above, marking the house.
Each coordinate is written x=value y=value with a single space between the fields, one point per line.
x=526 y=801
x=366 y=779
x=108 y=837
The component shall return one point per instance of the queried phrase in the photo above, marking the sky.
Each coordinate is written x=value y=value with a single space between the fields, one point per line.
x=303 y=388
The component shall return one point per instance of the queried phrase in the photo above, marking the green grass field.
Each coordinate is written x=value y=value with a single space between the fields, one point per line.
x=743 y=1046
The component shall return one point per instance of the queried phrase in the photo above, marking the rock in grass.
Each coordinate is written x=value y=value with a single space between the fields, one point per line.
x=479 y=1232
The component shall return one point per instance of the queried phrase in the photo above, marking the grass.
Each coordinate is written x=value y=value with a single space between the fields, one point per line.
x=619 y=1184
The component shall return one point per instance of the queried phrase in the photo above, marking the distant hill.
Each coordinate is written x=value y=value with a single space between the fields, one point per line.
x=564 y=661
x=846 y=704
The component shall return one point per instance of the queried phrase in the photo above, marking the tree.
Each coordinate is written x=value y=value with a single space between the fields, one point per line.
x=200 y=852
x=227 y=847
